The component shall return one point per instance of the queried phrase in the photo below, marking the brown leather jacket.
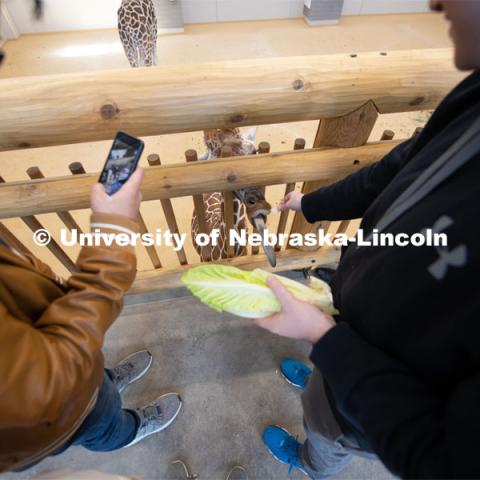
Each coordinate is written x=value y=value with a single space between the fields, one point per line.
x=51 y=336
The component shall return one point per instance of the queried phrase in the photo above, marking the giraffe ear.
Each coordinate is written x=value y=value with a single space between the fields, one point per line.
x=250 y=134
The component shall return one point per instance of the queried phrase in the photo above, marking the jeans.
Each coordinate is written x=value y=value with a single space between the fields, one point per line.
x=327 y=450
x=107 y=427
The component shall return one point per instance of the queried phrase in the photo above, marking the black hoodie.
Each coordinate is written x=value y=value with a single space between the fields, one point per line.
x=402 y=366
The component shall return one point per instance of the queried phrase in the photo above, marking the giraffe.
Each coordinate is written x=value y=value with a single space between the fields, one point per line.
x=248 y=203
x=137 y=26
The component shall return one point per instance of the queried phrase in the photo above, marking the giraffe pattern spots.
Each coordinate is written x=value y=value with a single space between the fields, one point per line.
x=137 y=27
x=215 y=140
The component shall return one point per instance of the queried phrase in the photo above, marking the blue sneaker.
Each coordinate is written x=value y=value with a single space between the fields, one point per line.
x=283 y=446
x=295 y=372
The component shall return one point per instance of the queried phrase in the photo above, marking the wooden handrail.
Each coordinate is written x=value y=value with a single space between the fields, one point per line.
x=169 y=278
x=73 y=192
x=85 y=107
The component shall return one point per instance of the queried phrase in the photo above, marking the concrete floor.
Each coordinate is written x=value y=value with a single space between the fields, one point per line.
x=225 y=368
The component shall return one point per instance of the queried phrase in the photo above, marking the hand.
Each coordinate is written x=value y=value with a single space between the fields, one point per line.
x=291 y=201
x=125 y=202
x=297 y=319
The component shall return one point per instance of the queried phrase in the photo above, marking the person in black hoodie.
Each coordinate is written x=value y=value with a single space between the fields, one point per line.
x=397 y=372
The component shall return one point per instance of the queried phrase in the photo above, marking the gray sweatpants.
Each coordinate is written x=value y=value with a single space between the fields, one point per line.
x=327 y=449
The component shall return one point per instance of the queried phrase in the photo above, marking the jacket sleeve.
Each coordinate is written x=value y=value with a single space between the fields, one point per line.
x=350 y=198
x=58 y=354
x=416 y=431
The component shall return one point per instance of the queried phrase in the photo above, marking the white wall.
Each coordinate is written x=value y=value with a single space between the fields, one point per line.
x=7 y=25
x=371 y=7
x=65 y=15
x=203 y=11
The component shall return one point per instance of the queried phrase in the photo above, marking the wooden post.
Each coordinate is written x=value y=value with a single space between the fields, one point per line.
x=34 y=225
x=13 y=241
x=191 y=156
x=77 y=169
x=352 y=130
x=36 y=174
x=300 y=144
x=387 y=135
x=154 y=161
x=263 y=148
x=228 y=207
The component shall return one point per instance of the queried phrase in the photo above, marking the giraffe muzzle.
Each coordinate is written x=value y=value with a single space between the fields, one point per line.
x=260 y=226
x=258 y=210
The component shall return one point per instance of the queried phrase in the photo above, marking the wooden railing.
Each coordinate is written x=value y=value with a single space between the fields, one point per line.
x=347 y=93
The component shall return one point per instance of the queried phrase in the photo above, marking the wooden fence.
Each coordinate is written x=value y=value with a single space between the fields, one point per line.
x=346 y=92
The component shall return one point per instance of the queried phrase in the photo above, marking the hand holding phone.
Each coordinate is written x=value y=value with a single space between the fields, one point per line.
x=126 y=202
x=118 y=192
x=122 y=161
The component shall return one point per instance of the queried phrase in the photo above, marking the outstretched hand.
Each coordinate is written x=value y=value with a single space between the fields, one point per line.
x=291 y=201
x=297 y=319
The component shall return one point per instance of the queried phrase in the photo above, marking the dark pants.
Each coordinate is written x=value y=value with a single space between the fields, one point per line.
x=107 y=427
x=327 y=450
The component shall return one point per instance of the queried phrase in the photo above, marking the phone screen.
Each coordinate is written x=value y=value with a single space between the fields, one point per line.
x=121 y=162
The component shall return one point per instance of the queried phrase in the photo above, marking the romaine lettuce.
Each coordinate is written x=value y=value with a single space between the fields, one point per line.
x=246 y=294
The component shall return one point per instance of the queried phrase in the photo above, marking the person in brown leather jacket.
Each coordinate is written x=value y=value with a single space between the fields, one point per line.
x=54 y=390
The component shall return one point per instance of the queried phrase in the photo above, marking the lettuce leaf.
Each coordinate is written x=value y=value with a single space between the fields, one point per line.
x=246 y=294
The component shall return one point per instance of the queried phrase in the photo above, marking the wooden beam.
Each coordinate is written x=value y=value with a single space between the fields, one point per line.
x=286 y=260
x=349 y=131
x=34 y=225
x=73 y=192
x=35 y=174
x=85 y=107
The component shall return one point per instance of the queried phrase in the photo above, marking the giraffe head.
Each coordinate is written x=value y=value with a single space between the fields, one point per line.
x=253 y=198
x=240 y=143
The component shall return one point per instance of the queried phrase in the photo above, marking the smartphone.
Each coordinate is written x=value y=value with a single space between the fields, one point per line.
x=122 y=161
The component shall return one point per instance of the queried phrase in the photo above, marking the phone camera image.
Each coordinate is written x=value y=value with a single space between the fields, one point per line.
x=121 y=163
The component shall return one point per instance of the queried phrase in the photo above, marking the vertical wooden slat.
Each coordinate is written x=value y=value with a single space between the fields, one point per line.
x=150 y=249
x=351 y=130
x=34 y=225
x=12 y=240
x=290 y=187
x=387 y=135
x=263 y=147
x=228 y=213
x=343 y=227
x=154 y=160
x=191 y=156
x=77 y=169
x=36 y=174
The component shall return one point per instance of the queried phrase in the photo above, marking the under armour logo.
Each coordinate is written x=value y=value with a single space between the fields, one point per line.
x=447 y=258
